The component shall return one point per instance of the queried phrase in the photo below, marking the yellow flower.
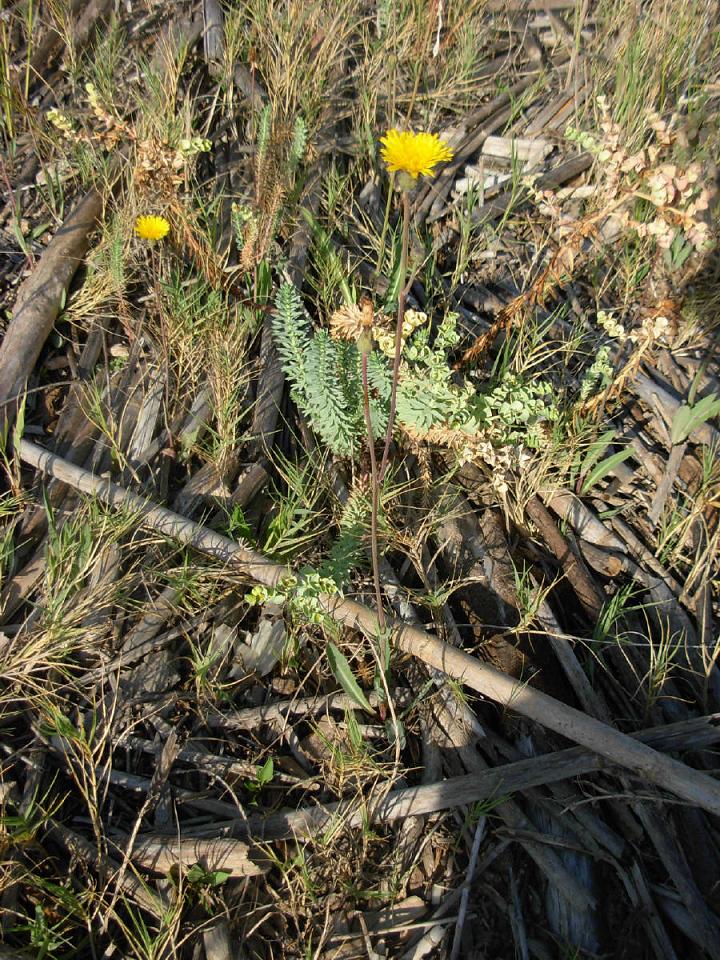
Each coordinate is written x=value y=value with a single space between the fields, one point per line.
x=151 y=228
x=413 y=153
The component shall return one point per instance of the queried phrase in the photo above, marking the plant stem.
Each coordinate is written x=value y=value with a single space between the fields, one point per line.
x=386 y=221
x=375 y=495
x=398 y=333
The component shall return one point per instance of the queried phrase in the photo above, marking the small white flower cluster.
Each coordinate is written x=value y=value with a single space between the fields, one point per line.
x=598 y=375
x=95 y=102
x=61 y=121
x=190 y=148
x=500 y=460
x=653 y=328
x=610 y=325
x=412 y=319
x=679 y=198
x=582 y=138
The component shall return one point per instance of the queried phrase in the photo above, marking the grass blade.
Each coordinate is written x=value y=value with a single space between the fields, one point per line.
x=603 y=468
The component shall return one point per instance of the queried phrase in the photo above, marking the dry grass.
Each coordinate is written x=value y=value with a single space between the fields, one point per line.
x=108 y=634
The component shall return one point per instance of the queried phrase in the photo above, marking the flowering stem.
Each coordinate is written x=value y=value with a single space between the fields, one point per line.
x=375 y=494
x=386 y=221
x=398 y=333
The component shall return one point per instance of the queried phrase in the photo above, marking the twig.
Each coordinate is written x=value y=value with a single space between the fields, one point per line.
x=467 y=885
x=38 y=302
x=588 y=593
x=691 y=785
x=161 y=854
x=86 y=852
x=277 y=713
x=493 y=783
x=665 y=486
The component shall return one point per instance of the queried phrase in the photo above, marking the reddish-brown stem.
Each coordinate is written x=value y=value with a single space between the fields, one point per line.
x=402 y=296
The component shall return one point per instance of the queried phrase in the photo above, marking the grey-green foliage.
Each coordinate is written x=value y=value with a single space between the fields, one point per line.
x=325 y=376
x=510 y=411
x=326 y=385
x=291 y=329
x=427 y=396
x=515 y=409
x=300 y=592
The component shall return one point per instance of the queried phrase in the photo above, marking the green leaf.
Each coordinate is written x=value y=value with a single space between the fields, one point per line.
x=679 y=251
x=263 y=776
x=18 y=427
x=264 y=281
x=21 y=241
x=299 y=143
x=39 y=230
x=353 y=729
x=263 y=136
x=195 y=874
x=238 y=527
x=596 y=450
x=690 y=418
x=266 y=772
x=344 y=676
x=603 y=468
x=198 y=875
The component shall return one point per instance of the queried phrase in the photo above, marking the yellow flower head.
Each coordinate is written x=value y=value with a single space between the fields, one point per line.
x=151 y=228
x=413 y=153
